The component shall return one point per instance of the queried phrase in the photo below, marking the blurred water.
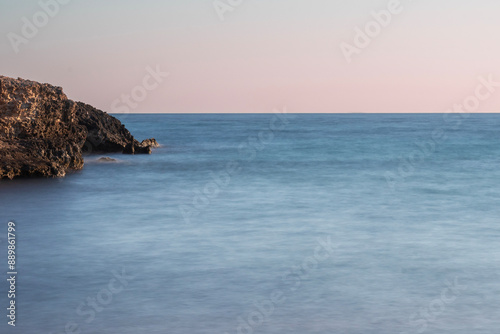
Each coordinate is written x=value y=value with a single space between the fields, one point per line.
x=202 y=269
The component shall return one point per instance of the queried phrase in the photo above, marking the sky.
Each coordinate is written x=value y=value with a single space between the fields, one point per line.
x=240 y=56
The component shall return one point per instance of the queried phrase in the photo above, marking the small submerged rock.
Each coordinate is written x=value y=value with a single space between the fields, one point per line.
x=106 y=159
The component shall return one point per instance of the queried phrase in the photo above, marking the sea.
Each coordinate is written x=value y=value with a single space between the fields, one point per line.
x=265 y=223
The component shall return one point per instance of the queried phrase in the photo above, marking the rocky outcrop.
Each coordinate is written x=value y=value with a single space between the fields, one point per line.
x=150 y=142
x=43 y=133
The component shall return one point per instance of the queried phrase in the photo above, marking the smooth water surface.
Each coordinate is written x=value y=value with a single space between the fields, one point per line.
x=403 y=217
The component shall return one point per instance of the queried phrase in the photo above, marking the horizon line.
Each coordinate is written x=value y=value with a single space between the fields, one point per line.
x=326 y=113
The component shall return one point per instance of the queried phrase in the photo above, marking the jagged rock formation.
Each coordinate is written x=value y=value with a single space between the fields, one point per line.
x=43 y=133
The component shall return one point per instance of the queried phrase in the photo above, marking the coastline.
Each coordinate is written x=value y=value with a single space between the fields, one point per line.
x=44 y=134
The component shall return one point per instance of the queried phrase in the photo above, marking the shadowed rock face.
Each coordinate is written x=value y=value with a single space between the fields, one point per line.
x=43 y=133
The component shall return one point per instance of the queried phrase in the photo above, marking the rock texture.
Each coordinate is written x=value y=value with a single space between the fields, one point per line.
x=43 y=133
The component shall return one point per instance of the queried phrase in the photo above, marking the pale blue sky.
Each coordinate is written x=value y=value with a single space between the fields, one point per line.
x=265 y=54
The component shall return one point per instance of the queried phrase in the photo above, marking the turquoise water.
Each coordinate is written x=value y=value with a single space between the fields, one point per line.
x=258 y=224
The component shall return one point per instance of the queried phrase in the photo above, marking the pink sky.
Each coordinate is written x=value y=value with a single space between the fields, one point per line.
x=264 y=55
